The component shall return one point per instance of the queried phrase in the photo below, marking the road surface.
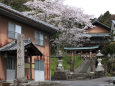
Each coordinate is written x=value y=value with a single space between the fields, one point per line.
x=93 y=82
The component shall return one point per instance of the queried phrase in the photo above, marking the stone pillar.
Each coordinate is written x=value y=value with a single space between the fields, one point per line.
x=20 y=59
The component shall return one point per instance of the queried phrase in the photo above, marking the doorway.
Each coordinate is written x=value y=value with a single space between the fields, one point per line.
x=10 y=72
x=39 y=70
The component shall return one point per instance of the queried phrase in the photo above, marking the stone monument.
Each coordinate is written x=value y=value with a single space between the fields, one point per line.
x=20 y=59
x=99 y=70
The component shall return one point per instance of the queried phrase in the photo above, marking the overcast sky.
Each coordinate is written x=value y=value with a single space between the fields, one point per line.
x=94 y=7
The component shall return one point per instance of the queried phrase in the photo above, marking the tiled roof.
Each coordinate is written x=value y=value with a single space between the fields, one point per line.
x=102 y=25
x=13 y=46
x=21 y=17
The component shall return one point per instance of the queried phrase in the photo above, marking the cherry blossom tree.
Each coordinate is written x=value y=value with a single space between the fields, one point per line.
x=70 y=20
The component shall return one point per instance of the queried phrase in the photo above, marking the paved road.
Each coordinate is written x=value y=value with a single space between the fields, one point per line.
x=94 y=82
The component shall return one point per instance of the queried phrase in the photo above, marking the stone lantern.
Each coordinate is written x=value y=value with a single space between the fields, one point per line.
x=60 y=67
x=99 y=66
x=99 y=72
x=60 y=73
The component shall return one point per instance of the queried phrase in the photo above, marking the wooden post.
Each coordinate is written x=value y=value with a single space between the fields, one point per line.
x=30 y=68
x=91 y=63
x=16 y=68
x=72 y=63
x=20 y=59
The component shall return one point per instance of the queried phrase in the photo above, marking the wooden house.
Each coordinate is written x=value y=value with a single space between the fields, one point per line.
x=100 y=34
x=37 y=48
x=113 y=30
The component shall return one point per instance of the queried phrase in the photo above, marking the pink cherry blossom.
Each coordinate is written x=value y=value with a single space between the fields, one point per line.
x=65 y=17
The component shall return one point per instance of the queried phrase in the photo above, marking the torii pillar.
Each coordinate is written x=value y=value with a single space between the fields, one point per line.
x=72 y=63
x=91 y=61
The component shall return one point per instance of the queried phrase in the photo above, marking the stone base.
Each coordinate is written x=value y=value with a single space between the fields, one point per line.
x=99 y=74
x=38 y=83
x=20 y=82
x=79 y=76
x=5 y=84
x=91 y=75
x=60 y=75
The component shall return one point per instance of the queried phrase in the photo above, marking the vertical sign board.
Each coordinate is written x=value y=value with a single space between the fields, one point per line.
x=20 y=58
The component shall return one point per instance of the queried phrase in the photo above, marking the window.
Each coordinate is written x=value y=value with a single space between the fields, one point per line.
x=39 y=65
x=39 y=38
x=13 y=30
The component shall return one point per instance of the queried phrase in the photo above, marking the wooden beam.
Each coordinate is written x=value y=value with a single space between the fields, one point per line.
x=30 y=68
x=91 y=63
x=72 y=62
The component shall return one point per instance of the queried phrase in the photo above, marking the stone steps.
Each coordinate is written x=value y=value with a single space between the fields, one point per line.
x=80 y=76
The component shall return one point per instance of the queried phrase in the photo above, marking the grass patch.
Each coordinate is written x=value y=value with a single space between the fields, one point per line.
x=66 y=63
x=77 y=61
x=53 y=65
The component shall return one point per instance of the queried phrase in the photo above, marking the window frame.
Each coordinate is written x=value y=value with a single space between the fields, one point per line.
x=13 y=32
x=39 y=65
x=38 y=40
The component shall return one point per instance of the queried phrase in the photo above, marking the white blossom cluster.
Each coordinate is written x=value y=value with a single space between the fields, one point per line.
x=65 y=17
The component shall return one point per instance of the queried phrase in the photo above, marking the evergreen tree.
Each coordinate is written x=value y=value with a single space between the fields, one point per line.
x=16 y=4
x=105 y=18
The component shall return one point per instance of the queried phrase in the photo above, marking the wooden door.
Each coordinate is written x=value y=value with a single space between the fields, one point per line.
x=10 y=72
x=39 y=70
